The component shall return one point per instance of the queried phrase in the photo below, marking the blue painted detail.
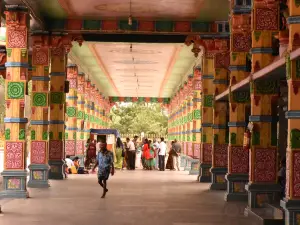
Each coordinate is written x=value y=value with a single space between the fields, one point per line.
x=196 y=99
x=16 y=64
x=224 y=35
x=206 y=124
x=40 y=78
x=293 y=20
x=57 y=74
x=261 y=51
x=208 y=76
x=292 y=114
x=56 y=122
x=80 y=102
x=15 y=120
x=88 y=131
x=237 y=124
x=72 y=97
x=219 y=126
x=39 y=122
x=262 y=118
x=220 y=81
x=241 y=9
x=71 y=65
x=237 y=68
x=197 y=130
x=72 y=128
x=2 y=68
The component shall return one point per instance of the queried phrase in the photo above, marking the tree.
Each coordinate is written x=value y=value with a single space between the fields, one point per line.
x=135 y=118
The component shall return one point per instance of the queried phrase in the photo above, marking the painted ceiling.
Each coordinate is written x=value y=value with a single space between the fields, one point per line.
x=137 y=69
x=176 y=10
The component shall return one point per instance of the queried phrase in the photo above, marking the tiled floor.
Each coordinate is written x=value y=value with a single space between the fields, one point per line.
x=134 y=197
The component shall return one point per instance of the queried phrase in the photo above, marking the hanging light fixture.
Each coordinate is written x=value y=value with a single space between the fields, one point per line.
x=130 y=16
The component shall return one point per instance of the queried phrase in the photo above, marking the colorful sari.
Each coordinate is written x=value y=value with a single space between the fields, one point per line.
x=119 y=162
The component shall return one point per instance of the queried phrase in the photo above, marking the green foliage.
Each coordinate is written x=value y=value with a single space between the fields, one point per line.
x=135 y=118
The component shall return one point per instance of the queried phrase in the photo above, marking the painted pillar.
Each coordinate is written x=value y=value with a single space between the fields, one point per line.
x=14 y=174
x=87 y=89
x=57 y=106
x=80 y=117
x=97 y=110
x=239 y=105
x=291 y=202
x=197 y=87
x=188 y=126
x=92 y=105
x=39 y=111
x=220 y=119
x=207 y=118
x=262 y=186
x=71 y=112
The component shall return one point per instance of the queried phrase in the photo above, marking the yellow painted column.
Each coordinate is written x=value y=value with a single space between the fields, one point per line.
x=80 y=117
x=15 y=174
x=239 y=105
x=291 y=202
x=264 y=95
x=220 y=119
x=71 y=112
x=207 y=118
x=87 y=90
x=92 y=106
x=59 y=44
x=39 y=111
x=197 y=86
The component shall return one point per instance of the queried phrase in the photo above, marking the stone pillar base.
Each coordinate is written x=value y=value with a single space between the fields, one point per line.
x=38 y=176
x=292 y=211
x=204 y=173
x=57 y=170
x=188 y=165
x=183 y=161
x=14 y=184
x=236 y=187
x=218 y=179
x=194 y=167
x=259 y=194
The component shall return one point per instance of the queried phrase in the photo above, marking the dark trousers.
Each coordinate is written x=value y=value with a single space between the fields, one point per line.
x=131 y=159
x=161 y=162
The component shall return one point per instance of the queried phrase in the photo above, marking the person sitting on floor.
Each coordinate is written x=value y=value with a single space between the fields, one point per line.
x=69 y=163
x=76 y=162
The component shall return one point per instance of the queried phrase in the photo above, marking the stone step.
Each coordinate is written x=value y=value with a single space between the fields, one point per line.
x=269 y=215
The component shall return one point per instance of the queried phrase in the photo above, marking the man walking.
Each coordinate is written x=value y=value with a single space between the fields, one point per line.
x=162 y=154
x=105 y=163
x=176 y=157
x=131 y=154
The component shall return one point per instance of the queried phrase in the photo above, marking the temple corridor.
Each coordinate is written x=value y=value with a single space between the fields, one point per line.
x=139 y=197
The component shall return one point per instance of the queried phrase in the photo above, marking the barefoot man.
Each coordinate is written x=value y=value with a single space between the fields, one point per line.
x=105 y=163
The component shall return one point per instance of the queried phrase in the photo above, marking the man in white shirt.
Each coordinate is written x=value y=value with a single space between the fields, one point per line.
x=69 y=163
x=156 y=148
x=162 y=154
x=131 y=154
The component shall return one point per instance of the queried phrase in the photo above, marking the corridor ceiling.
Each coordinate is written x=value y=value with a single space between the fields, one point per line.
x=179 y=10
x=128 y=68
x=136 y=69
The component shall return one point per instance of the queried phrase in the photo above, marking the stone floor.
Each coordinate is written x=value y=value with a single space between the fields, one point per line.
x=134 y=197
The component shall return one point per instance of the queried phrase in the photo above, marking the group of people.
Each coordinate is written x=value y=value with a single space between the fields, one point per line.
x=151 y=154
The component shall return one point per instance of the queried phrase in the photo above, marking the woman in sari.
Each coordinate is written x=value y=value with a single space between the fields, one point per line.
x=170 y=164
x=146 y=153
x=151 y=157
x=119 y=154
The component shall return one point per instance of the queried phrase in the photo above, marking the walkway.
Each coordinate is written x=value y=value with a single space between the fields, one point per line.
x=134 y=197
